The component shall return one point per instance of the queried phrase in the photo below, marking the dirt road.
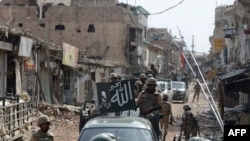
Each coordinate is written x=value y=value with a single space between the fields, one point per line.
x=177 y=108
x=199 y=108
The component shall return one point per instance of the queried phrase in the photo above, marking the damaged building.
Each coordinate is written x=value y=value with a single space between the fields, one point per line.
x=62 y=48
x=230 y=57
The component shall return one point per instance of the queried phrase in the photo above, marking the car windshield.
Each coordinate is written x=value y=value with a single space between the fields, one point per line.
x=123 y=134
x=163 y=85
x=178 y=85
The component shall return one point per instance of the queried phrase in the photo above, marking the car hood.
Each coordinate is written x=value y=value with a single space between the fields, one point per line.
x=179 y=89
x=136 y=122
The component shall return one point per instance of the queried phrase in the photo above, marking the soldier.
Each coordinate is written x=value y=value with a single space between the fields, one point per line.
x=189 y=123
x=113 y=77
x=197 y=89
x=42 y=134
x=119 y=78
x=149 y=75
x=150 y=101
x=168 y=115
x=142 y=84
x=153 y=70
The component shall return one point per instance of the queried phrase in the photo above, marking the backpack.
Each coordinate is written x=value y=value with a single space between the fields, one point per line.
x=191 y=119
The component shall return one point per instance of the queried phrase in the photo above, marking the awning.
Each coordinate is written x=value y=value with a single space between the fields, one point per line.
x=237 y=81
x=241 y=85
x=235 y=75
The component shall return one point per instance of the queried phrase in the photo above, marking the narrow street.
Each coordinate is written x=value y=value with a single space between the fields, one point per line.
x=67 y=129
x=198 y=108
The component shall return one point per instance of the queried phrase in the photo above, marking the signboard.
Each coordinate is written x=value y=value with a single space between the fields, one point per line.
x=218 y=43
x=115 y=96
x=29 y=64
x=70 y=55
x=6 y=46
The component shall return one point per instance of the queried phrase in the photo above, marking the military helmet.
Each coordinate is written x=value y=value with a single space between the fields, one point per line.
x=149 y=75
x=43 y=119
x=151 y=81
x=138 y=83
x=186 y=107
x=113 y=75
x=104 y=137
x=143 y=75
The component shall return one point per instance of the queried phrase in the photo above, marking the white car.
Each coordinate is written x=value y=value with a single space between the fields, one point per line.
x=166 y=88
x=179 y=91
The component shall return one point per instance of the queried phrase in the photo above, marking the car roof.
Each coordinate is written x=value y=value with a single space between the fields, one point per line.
x=165 y=80
x=178 y=82
x=134 y=122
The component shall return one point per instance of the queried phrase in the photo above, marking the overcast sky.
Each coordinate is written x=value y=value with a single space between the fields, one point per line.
x=193 y=17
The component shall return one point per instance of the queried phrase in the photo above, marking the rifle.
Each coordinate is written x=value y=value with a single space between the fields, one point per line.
x=155 y=108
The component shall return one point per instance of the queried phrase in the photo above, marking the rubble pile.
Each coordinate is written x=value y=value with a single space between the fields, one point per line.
x=61 y=116
x=237 y=115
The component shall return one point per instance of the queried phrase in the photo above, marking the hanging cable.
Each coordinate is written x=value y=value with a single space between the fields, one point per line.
x=168 y=8
x=157 y=12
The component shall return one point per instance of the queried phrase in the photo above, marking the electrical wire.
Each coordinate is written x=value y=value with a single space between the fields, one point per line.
x=10 y=13
x=168 y=8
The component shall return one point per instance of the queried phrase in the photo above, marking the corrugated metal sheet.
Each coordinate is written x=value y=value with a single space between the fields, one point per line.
x=235 y=73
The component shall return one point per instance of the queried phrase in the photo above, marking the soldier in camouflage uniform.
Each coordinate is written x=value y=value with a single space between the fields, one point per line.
x=149 y=102
x=141 y=84
x=167 y=111
x=42 y=134
x=189 y=123
x=113 y=77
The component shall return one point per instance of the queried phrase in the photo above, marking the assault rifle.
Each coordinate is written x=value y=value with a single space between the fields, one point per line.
x=147 y=111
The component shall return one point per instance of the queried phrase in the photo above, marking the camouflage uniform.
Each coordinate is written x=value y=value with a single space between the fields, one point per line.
x=167 y=111
x=42 y=134
x=197 y=89
x=147 y=100
x=188 y=123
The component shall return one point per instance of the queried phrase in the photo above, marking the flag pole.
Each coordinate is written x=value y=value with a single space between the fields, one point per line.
x=211 y=104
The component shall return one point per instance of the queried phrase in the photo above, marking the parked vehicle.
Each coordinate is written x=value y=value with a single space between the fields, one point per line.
x=179 y=91
x=124 y=128
x=166 y=87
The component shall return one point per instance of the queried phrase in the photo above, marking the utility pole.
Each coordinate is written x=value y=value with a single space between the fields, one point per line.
x=192 y=46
